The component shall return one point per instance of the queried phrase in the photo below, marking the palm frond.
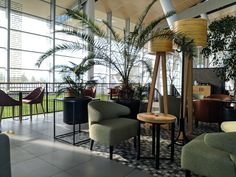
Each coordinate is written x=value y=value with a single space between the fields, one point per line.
x=151 y=28
x=141 y=18
x=75 y=46
x=113 y=32
x=83 y=18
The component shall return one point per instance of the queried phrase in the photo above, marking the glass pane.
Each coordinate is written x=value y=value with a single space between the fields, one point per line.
x=31 y=24
x=3 y=41
x=64 y=60
x=21 y=59
x=3 y=17
x=20 y=40
x=30 y=76
x=3 y=58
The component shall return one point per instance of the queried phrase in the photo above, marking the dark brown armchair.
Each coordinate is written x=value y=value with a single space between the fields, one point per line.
x=90 y=91
x=208 y=110
x=6 y=100
x=222 y=97
x=35 y=97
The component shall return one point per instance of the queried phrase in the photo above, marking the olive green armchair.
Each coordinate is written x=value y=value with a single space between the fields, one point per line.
x=210 y=155
x=108 y=125
x=5 y=163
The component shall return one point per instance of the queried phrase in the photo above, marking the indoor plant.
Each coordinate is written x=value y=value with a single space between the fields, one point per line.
x=128 y=47
x=222 y=47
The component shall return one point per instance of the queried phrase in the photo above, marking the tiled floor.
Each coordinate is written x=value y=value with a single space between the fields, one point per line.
x=34 y=153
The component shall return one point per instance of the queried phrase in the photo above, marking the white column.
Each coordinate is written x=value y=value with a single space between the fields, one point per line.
x=127 y=26
x=167 y=6
x=109 y=21
x=89 y=9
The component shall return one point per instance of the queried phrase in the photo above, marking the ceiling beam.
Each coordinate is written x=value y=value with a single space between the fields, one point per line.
x=204 y=7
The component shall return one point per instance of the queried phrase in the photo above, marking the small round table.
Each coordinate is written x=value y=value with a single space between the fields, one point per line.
x=156 y=120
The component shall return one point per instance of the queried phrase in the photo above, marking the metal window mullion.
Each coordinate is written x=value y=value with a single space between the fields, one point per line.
x=109 y=20
x=53 y=25
x=8 y=15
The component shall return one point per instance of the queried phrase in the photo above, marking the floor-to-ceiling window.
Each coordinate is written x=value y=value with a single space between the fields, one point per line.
x=30 y=37
x=3 y=41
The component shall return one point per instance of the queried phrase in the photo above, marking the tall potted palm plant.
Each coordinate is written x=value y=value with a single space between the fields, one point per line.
x=128 y=47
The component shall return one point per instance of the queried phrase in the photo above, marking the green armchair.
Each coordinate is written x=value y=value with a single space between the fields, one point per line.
x=5 y=163
x=107 y=124
x=211 y=155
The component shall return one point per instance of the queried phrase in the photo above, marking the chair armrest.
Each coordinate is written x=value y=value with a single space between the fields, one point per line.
x=223 y=141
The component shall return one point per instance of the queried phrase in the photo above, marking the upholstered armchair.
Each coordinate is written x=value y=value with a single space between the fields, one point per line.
x=222 y=97
x=208 y=110
x=211 y=155
x=107 y=124
x=5 y=163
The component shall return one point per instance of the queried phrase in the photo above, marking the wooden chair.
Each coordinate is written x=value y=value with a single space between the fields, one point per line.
x=6 y=100
x=35 y=97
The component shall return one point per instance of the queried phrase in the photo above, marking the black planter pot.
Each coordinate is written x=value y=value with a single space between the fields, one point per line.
x=132 y=104
x=229 y=114
x=81 y=110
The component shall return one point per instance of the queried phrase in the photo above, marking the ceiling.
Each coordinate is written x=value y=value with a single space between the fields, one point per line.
x=131 y=9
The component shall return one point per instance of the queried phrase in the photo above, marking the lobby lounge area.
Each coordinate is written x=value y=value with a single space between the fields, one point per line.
x=117 y=88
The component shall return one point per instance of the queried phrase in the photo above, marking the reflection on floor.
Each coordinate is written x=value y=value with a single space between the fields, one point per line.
x=34 y=153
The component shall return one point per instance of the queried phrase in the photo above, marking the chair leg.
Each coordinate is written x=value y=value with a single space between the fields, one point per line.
x=91 y=144
x=135 y=142
x=31 y=112
x=2 y=108
x=111 y=152
x=196 y=124
x=43 y=109
x=36 y=106
x=187 y=173
x=13 y=112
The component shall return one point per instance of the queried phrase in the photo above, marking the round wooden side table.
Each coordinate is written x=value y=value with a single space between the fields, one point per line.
x=156 y=120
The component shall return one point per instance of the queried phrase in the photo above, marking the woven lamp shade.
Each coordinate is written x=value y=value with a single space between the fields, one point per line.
x=195 y=28
x=160 y=45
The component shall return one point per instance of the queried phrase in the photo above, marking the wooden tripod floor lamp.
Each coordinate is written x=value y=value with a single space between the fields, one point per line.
x=159 y=47
x=195 y=29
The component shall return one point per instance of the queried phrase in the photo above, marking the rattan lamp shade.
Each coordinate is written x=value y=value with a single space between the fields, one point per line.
x=195 y=28
x=159 y=45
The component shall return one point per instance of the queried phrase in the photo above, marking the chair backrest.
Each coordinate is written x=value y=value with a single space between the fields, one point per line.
x=5 y=163
x=6 y=100
x=222 y=97
x=100 y=110
x=208 y=110
x=33 y=94
x=90 y=91
x=36 y=96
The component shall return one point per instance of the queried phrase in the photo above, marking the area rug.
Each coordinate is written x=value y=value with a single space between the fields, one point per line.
x=125 y=153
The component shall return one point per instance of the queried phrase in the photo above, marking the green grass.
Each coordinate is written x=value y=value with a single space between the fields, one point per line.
x=7 y=113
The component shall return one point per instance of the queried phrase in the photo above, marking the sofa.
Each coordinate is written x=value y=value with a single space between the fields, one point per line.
x=210 y=155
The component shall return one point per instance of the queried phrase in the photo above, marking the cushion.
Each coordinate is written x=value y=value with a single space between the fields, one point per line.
x=113 y=131
x=198 y=96
x=205 y=160
x=228 y=126
x=222 y=141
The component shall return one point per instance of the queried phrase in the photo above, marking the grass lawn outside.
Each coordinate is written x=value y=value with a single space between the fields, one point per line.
x=7 y=113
